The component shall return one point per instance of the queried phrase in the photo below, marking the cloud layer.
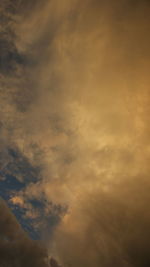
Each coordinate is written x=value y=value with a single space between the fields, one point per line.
x=75 y=104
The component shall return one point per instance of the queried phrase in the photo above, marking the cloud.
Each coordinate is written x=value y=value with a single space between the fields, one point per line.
x=15 y=246
x=75 y=103
x=107 y=227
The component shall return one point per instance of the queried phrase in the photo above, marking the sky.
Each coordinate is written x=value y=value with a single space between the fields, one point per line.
x=74 y=133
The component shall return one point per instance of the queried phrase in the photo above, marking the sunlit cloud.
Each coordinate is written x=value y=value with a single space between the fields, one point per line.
x=75 y=106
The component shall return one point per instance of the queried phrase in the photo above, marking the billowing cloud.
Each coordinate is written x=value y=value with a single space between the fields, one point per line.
x=75 y=104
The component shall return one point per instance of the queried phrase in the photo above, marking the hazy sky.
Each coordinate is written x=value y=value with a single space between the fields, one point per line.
x=75 y=133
